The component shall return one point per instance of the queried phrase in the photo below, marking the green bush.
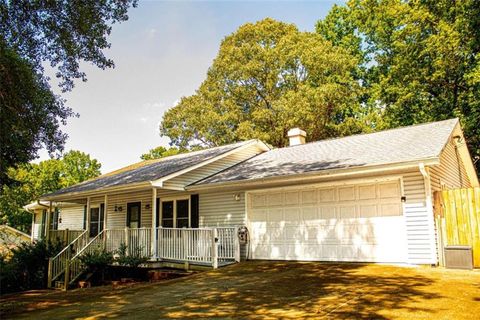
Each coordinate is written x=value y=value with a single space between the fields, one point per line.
x=96 y=260
x=27 y=267
x=134 y=258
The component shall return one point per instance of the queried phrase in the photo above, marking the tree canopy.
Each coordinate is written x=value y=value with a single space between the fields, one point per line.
x=61 y=34
x=267 y=78
x=161 y=152
x=33 y=180
x=419 y=61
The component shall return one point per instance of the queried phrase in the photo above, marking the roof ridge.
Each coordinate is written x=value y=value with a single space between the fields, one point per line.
x=369 y=133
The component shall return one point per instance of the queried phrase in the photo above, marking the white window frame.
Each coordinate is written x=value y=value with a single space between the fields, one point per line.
x=175 y=199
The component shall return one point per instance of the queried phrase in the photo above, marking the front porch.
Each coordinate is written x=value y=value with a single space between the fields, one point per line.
x=207 y=247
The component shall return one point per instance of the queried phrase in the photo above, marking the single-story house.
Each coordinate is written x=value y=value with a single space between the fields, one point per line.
x=365 y=197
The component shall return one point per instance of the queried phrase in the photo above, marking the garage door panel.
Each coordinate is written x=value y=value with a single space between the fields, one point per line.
x=275 y=199
x=328 y=212
x=347 y=212
x=327 y=195
x=344 y=223
x=258 y=200
x=389 y=190
x=346 y=193
x=367 y=211
x=292 y=198
x=366 y=192
x=309 y=197
x=310 y=214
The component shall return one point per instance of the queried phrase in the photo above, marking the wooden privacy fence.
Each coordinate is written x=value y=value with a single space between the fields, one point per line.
x=457 y=219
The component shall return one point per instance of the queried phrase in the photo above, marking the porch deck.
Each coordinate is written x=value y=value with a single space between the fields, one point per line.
x=206 y=247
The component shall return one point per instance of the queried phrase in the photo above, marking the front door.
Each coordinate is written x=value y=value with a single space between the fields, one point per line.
x=134 y=214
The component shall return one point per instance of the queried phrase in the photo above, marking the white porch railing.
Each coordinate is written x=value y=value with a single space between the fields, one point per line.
x=207 y=246
x=198 y=245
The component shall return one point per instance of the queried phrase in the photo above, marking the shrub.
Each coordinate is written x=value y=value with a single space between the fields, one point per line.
x=97 y=260
x=134 y=258
x=27 y=267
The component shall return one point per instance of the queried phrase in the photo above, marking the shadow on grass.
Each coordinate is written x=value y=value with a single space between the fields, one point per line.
x=258 y=289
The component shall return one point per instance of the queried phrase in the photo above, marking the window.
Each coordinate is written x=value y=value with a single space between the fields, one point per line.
x=96 y=220
x=54 y=219
x=182 y=214
x=167 y=214
x=134 y=214
x=175 y=213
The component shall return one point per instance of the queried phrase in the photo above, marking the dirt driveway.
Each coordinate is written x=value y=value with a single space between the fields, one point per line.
x=271 y=290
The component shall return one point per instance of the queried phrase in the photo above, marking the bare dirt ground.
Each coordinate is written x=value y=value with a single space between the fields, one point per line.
x=270 y=290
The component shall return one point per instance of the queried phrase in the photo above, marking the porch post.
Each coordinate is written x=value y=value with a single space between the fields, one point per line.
x=33 y=226
x=47 y=222
x=236 y=244
x=88 y=216
x=154 y=244
x=105 y=212
x=214 y=248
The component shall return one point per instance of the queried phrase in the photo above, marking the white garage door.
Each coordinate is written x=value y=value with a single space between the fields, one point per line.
x=360 y=222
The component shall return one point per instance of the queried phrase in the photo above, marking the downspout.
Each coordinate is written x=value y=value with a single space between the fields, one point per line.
x=429 y=206
x=457 y=142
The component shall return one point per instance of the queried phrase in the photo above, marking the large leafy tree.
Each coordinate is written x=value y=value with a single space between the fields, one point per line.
x=418 y=60
x=61 y=33
x=161 y=152
x=267 y=78
x=33 y=180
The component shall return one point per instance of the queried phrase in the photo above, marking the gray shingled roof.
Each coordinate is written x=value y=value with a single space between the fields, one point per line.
x=385 y=147
x=150 y=171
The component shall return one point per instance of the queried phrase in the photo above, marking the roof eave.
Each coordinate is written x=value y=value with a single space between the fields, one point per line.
x=321 y=174
x=96 y=192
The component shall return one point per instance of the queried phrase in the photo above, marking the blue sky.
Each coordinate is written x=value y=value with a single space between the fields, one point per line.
x=161 y=54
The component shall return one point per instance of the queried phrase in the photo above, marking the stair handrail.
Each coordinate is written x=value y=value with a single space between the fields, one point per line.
x=74 y=267
x=56 y=265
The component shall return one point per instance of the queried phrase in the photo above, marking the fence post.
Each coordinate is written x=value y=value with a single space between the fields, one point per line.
x=49 y=276
x=65 y=237
x=214 y=248
x=127 y=240
x=67 y=274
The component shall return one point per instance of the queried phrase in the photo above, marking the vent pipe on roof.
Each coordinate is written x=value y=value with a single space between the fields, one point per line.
x=296 y=136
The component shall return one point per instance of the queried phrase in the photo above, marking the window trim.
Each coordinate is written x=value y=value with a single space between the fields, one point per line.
x=175 y=199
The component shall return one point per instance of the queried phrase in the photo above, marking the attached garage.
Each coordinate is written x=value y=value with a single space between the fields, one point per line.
x=360 y=221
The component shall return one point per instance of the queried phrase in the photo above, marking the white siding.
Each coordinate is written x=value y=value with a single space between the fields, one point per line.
x=37 y=224
x=451 y=171
x=221 y=209
x=118 y=219
x=72 y=218
x=418 y=220
x=212 y=168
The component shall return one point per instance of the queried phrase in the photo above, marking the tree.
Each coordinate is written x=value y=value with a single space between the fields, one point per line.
x=33 y=180
x=161 y=152
x=267 y=78
x=62 y=33
x=419 y=61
